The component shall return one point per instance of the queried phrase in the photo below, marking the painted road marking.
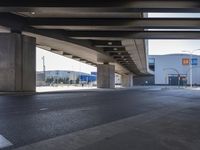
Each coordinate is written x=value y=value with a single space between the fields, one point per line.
x=43 y=109
x=4 y=142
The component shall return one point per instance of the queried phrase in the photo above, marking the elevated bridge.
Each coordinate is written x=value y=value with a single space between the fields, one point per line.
x=108 y=34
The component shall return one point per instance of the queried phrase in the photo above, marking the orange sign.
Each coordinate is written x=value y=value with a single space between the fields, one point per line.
x=185 y=61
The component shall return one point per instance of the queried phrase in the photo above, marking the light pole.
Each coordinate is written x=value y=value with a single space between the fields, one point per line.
x=191 y=52
x=44 y=68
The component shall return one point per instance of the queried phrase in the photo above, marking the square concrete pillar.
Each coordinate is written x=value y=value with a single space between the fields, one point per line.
x=17 y=63
x=127 y=80
x=105 y=76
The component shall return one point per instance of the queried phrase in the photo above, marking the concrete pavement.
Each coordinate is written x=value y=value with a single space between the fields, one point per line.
x=114 y=119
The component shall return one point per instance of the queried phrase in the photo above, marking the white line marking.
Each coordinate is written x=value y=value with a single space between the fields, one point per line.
x=43 y=109
x=4 y=142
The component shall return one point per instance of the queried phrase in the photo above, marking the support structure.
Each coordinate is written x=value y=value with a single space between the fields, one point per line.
x=127 y=80
x=105 y=76
x=17 y=63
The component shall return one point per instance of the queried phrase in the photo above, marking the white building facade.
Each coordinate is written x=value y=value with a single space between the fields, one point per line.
x=174 y=69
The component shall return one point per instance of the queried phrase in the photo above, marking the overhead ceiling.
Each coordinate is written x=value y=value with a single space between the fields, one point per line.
x=100 y=31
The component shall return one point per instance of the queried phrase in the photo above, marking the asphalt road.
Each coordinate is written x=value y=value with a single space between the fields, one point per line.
x=32 y=118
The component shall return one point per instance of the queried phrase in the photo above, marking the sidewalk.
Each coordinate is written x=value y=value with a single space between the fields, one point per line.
x=62 y=88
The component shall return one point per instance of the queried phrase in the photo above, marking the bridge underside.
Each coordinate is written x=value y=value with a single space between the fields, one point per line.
x=127 y=55
x=106 y=34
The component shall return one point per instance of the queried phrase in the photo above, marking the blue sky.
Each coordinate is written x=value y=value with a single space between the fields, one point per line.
x=156 y=47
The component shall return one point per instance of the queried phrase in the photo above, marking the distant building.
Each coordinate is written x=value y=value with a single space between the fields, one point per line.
x=174 y=69
x=69 y=77
x=118 y=79
x=61 y=76
x=88 y=79
x=40 y=79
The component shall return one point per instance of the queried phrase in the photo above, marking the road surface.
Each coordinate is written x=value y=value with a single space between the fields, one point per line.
x=28 y=119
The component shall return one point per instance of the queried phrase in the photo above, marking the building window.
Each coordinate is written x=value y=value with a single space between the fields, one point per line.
x=185 y=61
x=152 y=61
x=152 y=64
x=194 y=61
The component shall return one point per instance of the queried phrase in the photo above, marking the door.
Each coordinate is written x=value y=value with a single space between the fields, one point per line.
x=173 y=80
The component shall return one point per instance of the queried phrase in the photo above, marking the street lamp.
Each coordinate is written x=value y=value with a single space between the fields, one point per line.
x=44 y=69
x=191 y=52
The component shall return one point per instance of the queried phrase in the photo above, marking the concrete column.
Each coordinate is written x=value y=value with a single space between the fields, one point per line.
x=17 y=63
x=127 y=80
x=105 y=76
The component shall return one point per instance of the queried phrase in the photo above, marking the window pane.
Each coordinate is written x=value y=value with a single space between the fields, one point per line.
x=194 y=61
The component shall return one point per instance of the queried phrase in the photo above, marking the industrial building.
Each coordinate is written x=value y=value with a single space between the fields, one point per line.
x=63 y=76
x=175 y=69
x=68 y=77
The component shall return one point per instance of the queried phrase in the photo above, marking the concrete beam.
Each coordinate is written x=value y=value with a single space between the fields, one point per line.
x=68 y=55
x=107 y=43
x=101 y=6
x=59 y=40
x=16 y=22
x=57 y=52
x=111 y=49
x=131 y=24
x=122 y=35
